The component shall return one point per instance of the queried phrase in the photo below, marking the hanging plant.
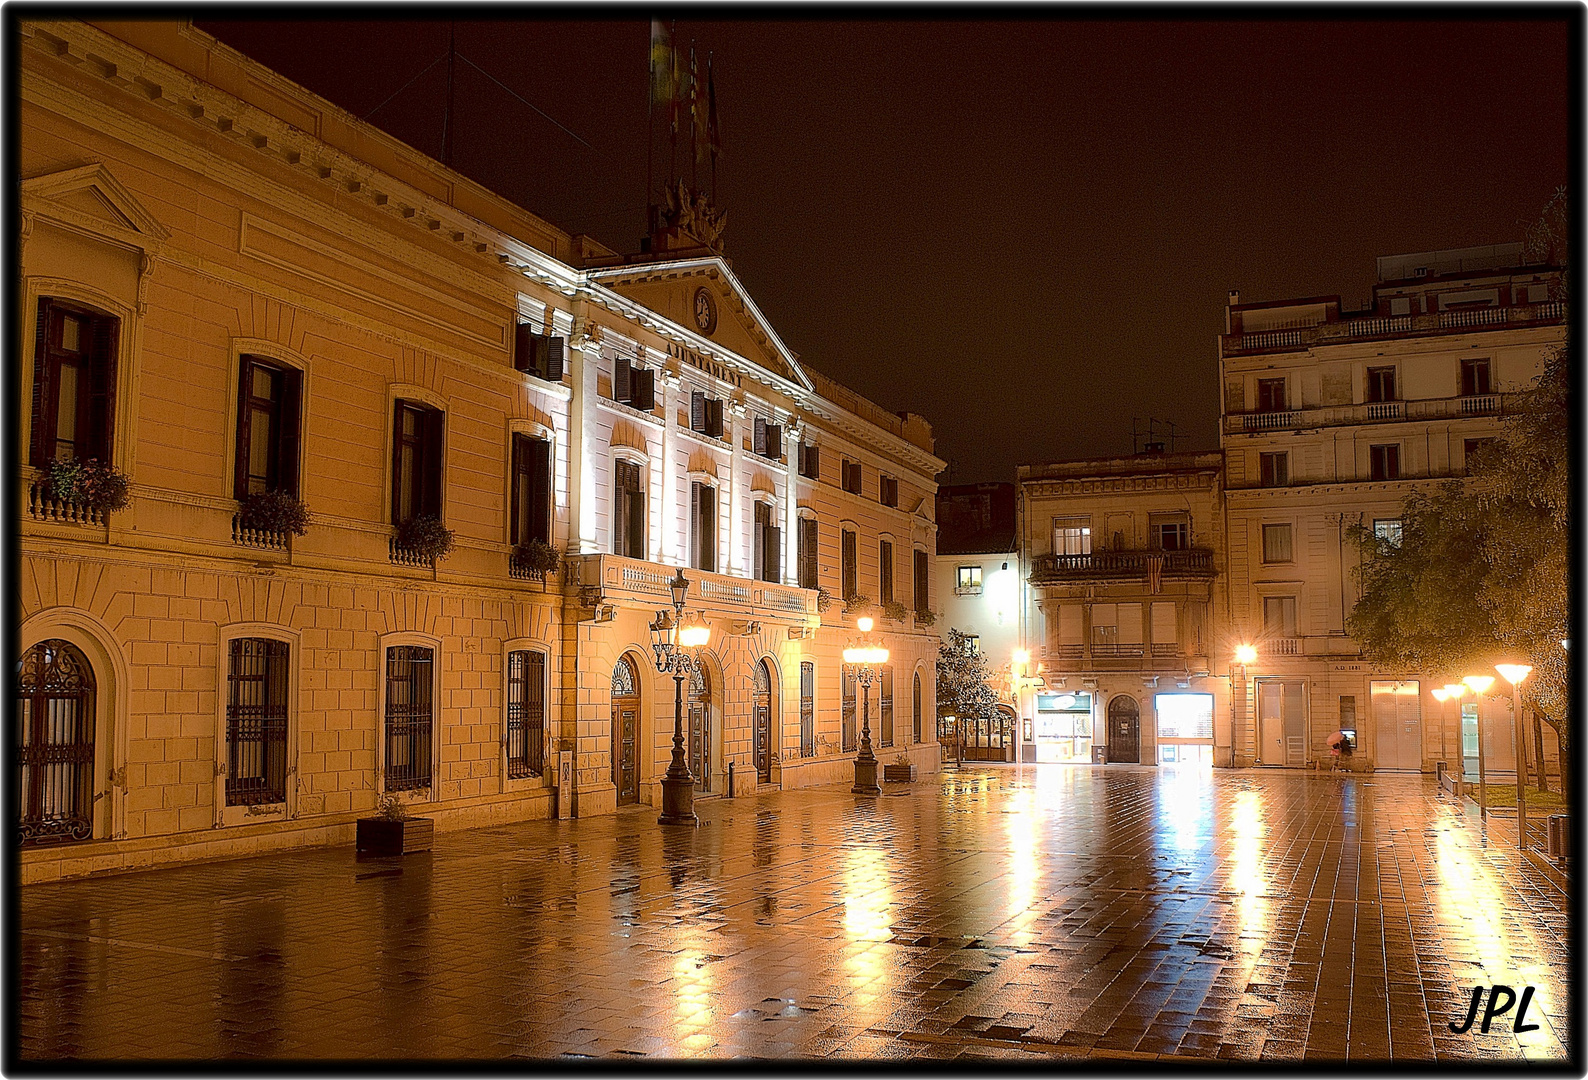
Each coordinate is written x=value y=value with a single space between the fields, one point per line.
x=824 y=599
x=275 y=512
x=425 y=537
x=856 y=604
x=925 y=618
x=90 y=483
x=895 y=611
x=537 y=558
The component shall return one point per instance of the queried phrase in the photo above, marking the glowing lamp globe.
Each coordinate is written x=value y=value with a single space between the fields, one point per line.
x=1245 y=654
x=694 y=635
x=1514 y=673
x=865 y=623
x=1440 y=694
x=1479 y=684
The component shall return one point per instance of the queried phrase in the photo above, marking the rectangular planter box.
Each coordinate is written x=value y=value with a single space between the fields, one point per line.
x=379 y=836
x=898 y=774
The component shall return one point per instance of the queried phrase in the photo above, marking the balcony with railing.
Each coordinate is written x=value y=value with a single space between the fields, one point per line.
x=1291 y=339
x=1122 y=565
x=1372 y=412
x=603 y=578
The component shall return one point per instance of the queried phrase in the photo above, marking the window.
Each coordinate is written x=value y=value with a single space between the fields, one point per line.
x=1537 y=294
x=409 y=671
x=1279 y=616
x=1388 y=531
x=703 y=527
x=890 y=491
x=852 y=478
x=850 y=736
x=810 y=461
x=530 y=505
x=807 y=541
x=973 y=643
x=807 y=710
x=1270 y=395
x=885 y=705
x=1384 y=462
x=923 y=601
x=54 y=781
x=915 y=715
x=633 y=386
x=1072 y=536
x=540 y=355
x=1475 y=377
x=1381 y=384
x=967 y=579
x=1276 y=543
x=1169 y=532
x=1400 y=305
x=74 y=384
x=416 y=462
x=256 y=722
x=767 y=439
x=1273 y=470
x=628 y=510
x=705 y=414
x=268 y=398
x=1472 y=449
x=526 y=713
x=885 y=571
x=768 y=544
x=850 y=582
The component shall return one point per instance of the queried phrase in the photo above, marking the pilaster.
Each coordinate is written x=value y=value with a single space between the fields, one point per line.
x=583 y=354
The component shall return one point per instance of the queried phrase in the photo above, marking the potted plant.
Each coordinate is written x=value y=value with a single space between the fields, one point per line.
x=392 y=832
x=93 y=484
x=899 y=771
x=425 y=537
x=925 y=618
x=824 y=599
x=274 y=512
x=895 y=611
x=856 y=604
x=537 y=559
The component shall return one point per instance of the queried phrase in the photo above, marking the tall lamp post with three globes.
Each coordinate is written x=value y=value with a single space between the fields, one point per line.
x=864 y=657
x=674 y=643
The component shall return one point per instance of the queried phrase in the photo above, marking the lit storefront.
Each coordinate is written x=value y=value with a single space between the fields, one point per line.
x=1185 y=729
x=1064 y=727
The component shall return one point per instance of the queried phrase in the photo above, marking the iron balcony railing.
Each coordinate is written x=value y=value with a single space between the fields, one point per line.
x=1372 y=412
x=616 y=576
x=1190 y=562
x=1375 y=326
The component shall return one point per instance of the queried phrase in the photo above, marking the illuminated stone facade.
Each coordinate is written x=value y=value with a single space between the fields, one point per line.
x=230 y=287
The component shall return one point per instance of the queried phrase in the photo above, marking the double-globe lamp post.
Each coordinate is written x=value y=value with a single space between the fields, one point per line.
x=1514 y=674
x=672 y=642
x=863 y=658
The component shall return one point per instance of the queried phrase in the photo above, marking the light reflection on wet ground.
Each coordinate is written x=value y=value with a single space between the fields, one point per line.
x=1032 y=913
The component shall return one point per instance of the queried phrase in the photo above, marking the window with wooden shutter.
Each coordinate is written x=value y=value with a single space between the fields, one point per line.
x=417 y=452
x=268 y=406
x=889 y=493
x=628 y=511
x=774 y=441
x=714 y=417
x=758 y=438
x=530 y=517
x=922 y=601
x=74 y=384
x=807 y=710
x=807 y=543
x=852 y=478
x=644 y=389
x=697 y=410
x=1384 y=462
x=773 y=545
x=555 y=347
x=622 y=379
x=810 y=461
x=885 y=570
x=850 y=570
x=703 y=526
x=541 y=355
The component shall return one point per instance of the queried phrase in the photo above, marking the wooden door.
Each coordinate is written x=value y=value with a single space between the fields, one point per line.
x=1124 y=731
x=699 y=733
x=625 y=733
x=763 y=723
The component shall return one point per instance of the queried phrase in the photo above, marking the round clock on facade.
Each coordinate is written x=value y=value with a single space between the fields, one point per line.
x=705 y=311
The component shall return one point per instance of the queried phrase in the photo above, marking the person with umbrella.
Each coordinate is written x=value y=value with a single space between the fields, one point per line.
x=1341 y=748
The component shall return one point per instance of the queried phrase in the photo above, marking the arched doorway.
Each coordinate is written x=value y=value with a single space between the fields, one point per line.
x=625 y=731
x=763 y=723
x=699 y=705
x=1124 y=730
x=55 y=744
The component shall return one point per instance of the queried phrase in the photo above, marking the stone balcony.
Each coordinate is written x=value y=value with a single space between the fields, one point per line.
x=601 y=578
x=1377 y=327
x=1191 y=563
x=1372 y=412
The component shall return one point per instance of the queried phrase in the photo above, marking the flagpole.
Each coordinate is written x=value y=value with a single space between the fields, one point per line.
x=694 y=125
x=711 y=122
x=672 y=150
x=650 y=134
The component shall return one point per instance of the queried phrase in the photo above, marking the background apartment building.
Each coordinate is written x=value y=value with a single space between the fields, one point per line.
x=230 y=287
x=1330 y=419
x=1121 y=609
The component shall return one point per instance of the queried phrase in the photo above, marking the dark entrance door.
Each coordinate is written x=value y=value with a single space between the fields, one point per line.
x=1124 y=730
x=763 y=723
x=55 y=744
x=699 y=705
x=625 y=725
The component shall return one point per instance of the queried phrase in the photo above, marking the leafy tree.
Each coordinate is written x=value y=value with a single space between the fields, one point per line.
x=1482 y=565
x=962 y=679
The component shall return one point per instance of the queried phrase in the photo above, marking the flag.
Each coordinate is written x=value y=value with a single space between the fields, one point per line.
x=713 y=133
x=662 y=82
x=1155 y=573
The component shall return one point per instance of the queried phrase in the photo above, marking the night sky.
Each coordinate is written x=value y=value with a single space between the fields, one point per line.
x=1024 y=231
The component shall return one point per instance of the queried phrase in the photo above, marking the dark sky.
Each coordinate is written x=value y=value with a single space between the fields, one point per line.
x=1024 y=231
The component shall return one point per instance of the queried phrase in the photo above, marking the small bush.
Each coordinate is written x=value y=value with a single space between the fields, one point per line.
x=856 y=604
x=275 y=511
x=90 y=483
x=425 y=537
x=925 y=618
x=895 y=611
x=390 y=808
x=824 y=599
x=538 y=558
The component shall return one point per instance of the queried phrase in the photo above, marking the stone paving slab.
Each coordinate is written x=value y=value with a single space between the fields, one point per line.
x=1039 y=913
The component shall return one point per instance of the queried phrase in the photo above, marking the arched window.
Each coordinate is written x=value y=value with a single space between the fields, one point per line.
x=916 y=715
x=55 y=744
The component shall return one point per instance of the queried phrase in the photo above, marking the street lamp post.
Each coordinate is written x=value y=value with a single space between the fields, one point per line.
x=1455 y=692
x=1441 y=696
x=1514 y=674
x=670 y=639
x=1479 y=685
x=1244 y=655
x=864 y=658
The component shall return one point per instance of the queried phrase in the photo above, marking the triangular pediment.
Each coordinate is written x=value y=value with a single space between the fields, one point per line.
x=703 y=296
x=90 y=197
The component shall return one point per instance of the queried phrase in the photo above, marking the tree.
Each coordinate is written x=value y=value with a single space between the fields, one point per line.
x=1482 y=565
x=962 y=674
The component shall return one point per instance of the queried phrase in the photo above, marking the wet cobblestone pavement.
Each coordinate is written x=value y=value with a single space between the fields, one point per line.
x=1037 y=913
